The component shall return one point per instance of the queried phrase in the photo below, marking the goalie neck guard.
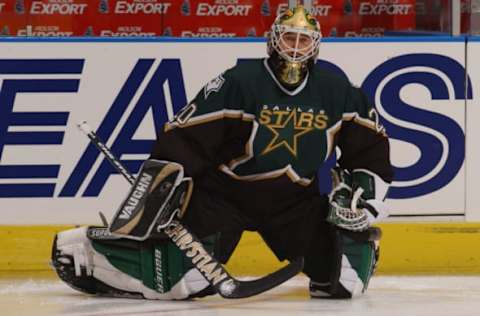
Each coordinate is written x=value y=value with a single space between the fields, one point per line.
x=293 y=45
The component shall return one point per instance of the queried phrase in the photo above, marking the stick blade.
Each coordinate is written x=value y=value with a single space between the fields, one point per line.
x=243 y=289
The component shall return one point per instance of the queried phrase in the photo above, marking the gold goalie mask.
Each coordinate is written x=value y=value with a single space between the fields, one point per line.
x=293 y=45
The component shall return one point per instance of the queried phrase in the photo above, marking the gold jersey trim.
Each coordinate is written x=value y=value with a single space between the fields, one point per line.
x=355 y=117
x=248 y=149
x=288 y=171
x=209 y=117
x=331 y=132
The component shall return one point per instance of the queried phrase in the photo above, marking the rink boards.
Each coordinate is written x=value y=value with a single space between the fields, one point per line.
x=406 y=249
x=425 y=89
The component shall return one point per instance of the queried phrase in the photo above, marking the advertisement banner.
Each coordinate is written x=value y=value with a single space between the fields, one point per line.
x=374 y=17
x=12 y=17
x=130 y=18
x=49 y=173
x=473 y=128
x=214 y=18
x=56 y=18
x=202 y=18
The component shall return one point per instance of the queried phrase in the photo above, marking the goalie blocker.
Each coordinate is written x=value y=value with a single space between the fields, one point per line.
x=160 y=193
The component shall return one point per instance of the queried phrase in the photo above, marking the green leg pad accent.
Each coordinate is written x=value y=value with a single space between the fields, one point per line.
x=361 y=256
x=159 y=264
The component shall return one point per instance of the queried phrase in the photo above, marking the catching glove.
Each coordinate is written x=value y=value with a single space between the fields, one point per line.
x=356 y=201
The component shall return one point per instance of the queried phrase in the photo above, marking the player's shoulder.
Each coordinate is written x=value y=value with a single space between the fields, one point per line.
x=330 y=78
x=245 y=69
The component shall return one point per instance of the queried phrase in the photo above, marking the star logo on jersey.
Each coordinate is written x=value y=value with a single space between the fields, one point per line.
x=286 y=134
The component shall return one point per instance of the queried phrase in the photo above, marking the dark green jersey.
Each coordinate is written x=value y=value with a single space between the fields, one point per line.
x=246 y=125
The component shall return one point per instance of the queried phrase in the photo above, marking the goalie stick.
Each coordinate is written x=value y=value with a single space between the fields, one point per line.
x=212 y=270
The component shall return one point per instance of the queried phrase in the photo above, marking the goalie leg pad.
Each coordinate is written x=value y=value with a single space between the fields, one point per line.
x=354 y=261
x=159 y=193
x=106 y=265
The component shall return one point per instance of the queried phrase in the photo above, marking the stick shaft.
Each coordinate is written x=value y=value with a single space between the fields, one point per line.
x=86 y=129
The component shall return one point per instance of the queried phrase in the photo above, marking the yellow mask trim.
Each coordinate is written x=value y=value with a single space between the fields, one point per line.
x=299 y=17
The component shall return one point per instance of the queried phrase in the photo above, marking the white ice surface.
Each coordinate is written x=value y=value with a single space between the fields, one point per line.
x=387 y=296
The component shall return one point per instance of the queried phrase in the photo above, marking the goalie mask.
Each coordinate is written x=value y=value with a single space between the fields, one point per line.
x=293 y=45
